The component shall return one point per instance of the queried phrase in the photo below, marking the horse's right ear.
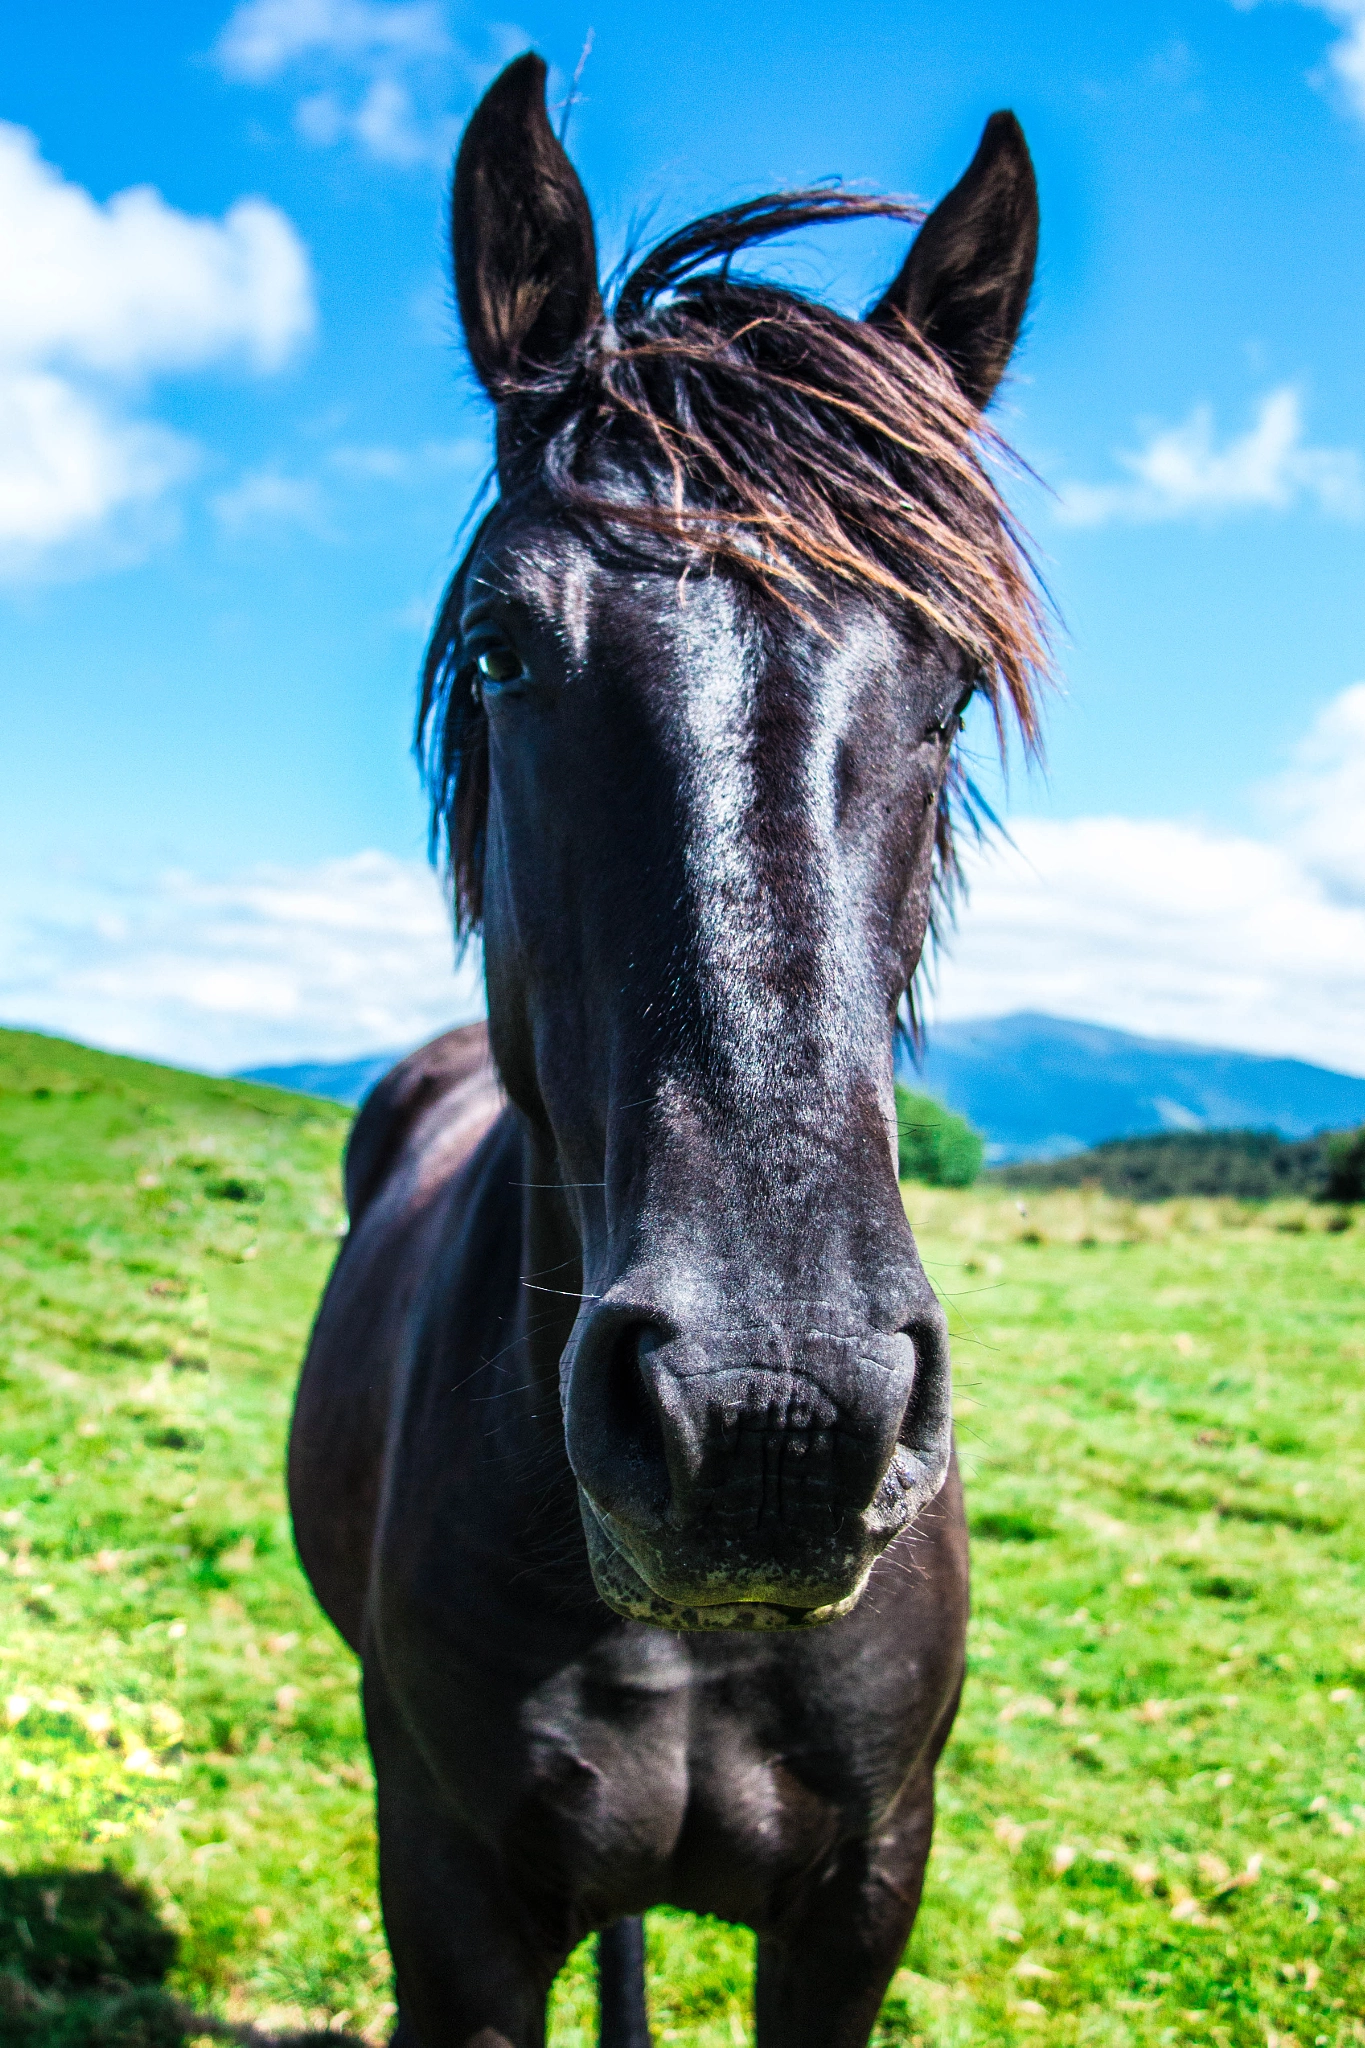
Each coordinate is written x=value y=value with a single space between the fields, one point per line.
x=521 y=235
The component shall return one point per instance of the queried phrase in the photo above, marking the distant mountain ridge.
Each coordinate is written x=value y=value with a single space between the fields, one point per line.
x=348 y=1081
x=1041 y=1087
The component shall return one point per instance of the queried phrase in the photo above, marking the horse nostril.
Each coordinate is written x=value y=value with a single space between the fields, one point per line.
x=632 y=1413
x=927 y=1420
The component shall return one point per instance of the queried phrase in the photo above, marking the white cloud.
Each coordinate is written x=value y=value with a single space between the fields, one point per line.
x=1174 y=929
x=384 y=122
x=264 y=37
x=346 y=957
x=98 y=298
x=1158 y=926
x=265 y=498
x=385 y=464
x=268 y=498
x=1181 y=473
x=1346 y=57
x=382 y=75
x=1319 y=803
x=133 y=285
x=66 y=464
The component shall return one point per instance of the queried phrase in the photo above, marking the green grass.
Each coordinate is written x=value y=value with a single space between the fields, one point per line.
x=1153 y=1809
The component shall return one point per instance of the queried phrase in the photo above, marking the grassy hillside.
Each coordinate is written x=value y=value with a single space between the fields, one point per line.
x=1153 y=1810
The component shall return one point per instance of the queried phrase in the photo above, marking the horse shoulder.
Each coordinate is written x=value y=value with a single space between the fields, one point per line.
x=442 y=1090
x=417 y=1131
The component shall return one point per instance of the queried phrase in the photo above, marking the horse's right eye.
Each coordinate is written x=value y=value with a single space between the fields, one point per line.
x=498 y=665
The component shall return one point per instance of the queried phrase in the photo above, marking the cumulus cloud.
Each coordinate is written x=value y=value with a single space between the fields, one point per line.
x=1347 y=56
x=134 y=285
x=1153 y=925
x=265 y=498
x=378 y=73
x=1175 y=929
x=264 y=37
x=1182 y=473
x=1166 y=929
x=66 y=463
x=345 y=957
x=383 y=463
x=1319 y=803
x=384 y=121
x=97 y=300
x=269 y=499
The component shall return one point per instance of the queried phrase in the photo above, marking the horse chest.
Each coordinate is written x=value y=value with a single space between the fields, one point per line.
x=644 y=1781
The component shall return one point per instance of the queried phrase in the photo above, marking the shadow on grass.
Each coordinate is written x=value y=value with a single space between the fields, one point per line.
x=83 y=1956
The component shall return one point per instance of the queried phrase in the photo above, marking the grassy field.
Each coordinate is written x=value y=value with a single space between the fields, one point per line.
x=1152 y=1812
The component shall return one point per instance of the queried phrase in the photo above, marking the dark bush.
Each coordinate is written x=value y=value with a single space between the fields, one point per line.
x=1250 y=1166
x=1346 y=1167
x=935 y=1146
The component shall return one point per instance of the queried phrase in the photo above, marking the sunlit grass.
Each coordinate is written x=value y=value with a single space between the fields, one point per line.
x=1152 y=1812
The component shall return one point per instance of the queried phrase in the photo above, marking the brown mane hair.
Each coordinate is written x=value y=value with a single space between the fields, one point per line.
x=800 y=450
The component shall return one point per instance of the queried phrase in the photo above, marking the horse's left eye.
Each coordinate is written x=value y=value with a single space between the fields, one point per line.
x=498 y=665
x=946 y=728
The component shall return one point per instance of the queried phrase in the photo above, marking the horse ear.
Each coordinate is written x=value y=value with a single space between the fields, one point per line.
x=966 y=281
x=521 y=234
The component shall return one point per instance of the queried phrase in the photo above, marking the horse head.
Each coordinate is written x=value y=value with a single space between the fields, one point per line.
x=690 y=713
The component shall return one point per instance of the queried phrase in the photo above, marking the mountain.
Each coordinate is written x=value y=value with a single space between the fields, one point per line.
x=1040 y=1087
x=347 y=1081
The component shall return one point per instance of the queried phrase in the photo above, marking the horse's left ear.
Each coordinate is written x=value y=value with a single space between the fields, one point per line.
x=521 y=234
x=965 y=283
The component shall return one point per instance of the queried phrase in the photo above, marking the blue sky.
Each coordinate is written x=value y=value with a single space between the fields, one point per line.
x=237 y=439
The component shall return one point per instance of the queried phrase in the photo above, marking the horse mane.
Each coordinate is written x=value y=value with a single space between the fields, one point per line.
x=802 y=451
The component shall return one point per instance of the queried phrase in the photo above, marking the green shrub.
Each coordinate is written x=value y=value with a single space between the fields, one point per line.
x=1346 y=1167
x=1249 y=1166
x=935 y=1146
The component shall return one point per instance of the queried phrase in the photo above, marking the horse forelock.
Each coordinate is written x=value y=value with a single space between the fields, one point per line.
x=765 y=434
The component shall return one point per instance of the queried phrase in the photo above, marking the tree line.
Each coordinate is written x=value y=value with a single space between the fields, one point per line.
x=1251 y=1166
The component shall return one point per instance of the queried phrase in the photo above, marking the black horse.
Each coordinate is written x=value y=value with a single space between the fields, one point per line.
x=628 y=1375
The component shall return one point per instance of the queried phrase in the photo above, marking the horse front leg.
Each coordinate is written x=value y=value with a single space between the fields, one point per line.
x=472 y=1967
x=823 y=1973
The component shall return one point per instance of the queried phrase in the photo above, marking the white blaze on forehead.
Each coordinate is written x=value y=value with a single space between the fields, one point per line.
x=719 y=696
x=743 y=924
x=848 y=963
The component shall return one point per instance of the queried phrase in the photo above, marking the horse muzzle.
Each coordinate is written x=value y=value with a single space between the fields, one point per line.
x=750 y=1479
